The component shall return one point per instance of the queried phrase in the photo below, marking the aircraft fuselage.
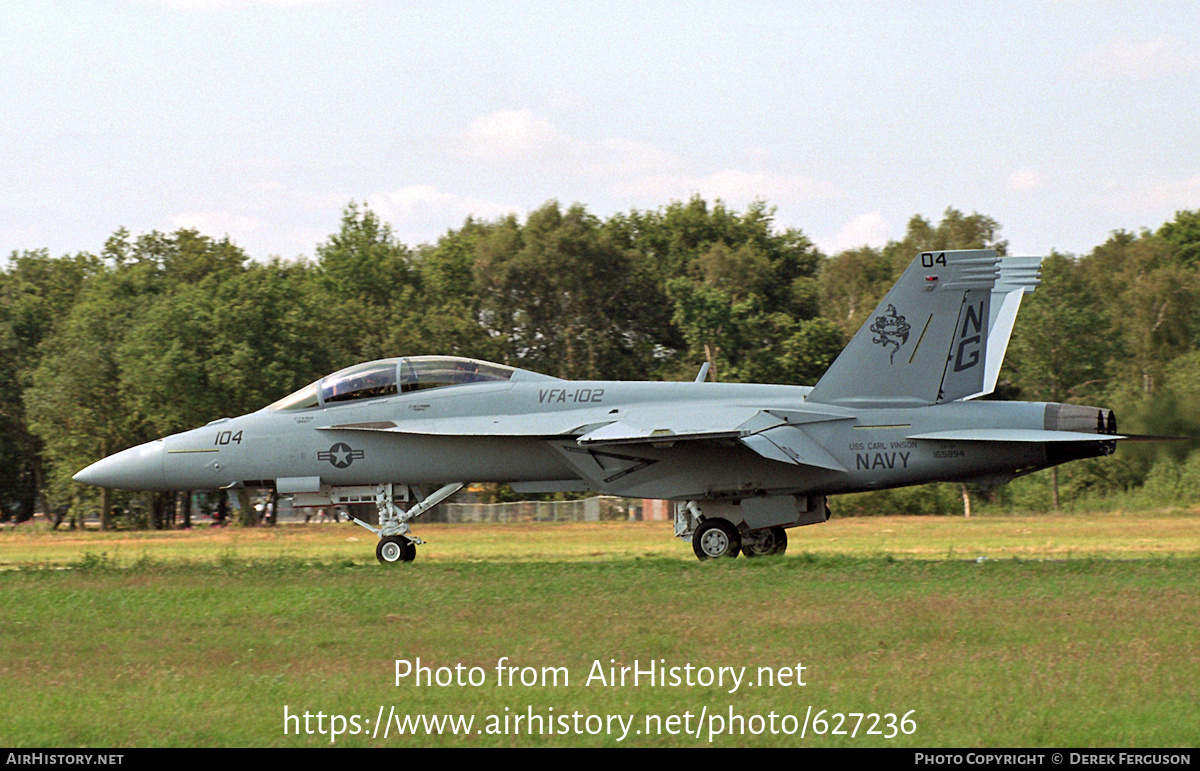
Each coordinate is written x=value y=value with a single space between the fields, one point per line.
x=417 y=438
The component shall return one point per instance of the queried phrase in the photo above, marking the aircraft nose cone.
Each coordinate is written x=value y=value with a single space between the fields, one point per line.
x=138 y=468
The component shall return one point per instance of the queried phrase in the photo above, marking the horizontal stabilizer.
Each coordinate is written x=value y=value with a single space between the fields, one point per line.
x=1150 y=438
x=1014 y=435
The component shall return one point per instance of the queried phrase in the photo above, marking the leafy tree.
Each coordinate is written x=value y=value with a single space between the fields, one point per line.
x=451 y=318
x=853 y=283
x=364 y=259
x=164 y=330
x=76 y=402
x=735 y=286
x=225 y=346
x=554 y=293
x=1152 y=298
x=809 y=351
x=1184 y=233
x=35 y=292
x=1059 y=350
x=370 y=289
x=87 y=397
x=955 y=231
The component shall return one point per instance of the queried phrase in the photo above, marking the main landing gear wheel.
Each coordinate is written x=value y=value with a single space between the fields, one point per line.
x=393 y=548
x=716 y=538
x=764 y=543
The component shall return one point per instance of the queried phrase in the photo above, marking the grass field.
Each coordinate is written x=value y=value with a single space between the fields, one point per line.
x=1067 y=631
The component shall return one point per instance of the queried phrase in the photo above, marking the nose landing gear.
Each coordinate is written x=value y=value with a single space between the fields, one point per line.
x=396 y=544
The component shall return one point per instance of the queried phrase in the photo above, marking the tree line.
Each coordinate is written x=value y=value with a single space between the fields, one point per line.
x=161 y=332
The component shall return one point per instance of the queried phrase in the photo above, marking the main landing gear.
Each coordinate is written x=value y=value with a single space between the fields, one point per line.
x=714 y=537
x=752 y=526
x=396 y=543
x=765 y=542
x=717 y=538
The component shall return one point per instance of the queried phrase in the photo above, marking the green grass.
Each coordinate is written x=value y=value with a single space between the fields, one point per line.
x=1080 y=632
x=1118 y=535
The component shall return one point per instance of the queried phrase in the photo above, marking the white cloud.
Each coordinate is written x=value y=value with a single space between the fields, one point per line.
x=620 y=157
x=1154 y=197
x=511 y=134
x=422 y=213
x=630 y=167
x=1139 y=61
x=1024 y=179
x=868 y=229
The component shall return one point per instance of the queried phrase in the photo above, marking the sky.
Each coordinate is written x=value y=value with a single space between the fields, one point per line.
x=263 y=119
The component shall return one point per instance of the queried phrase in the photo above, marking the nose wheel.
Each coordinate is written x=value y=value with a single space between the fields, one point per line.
x=395 y=548
x=395 y=543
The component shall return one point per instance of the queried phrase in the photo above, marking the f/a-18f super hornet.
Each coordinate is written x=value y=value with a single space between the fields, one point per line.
x=742 y=462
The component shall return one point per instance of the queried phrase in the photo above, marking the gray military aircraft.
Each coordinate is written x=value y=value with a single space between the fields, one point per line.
x=742 y=462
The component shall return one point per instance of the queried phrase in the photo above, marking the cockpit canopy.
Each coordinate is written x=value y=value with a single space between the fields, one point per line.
x=387 y=377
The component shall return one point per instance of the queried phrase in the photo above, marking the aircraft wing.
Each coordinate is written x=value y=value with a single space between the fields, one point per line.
x=590 y=427
x=774 y=434
x=660 y=425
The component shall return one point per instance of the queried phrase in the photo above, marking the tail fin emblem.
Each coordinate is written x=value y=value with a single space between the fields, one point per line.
x=891 y=331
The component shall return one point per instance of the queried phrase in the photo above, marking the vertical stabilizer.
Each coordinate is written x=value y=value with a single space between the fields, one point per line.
x=926 y=343
x=1018 y=277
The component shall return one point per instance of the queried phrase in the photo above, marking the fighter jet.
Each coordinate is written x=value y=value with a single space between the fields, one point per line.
x=742 y=463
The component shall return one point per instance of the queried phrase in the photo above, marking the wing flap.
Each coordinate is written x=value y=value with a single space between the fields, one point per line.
x=663 y=425
x=769 y=433
x=624 y=433
x=702 y=421
x=788 y=444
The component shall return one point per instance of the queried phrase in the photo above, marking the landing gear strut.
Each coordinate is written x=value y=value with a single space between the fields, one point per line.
x=396 y=543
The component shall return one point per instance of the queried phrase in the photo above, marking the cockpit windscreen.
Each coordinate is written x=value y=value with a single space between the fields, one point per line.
x=364 y=381
x=388 y=377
